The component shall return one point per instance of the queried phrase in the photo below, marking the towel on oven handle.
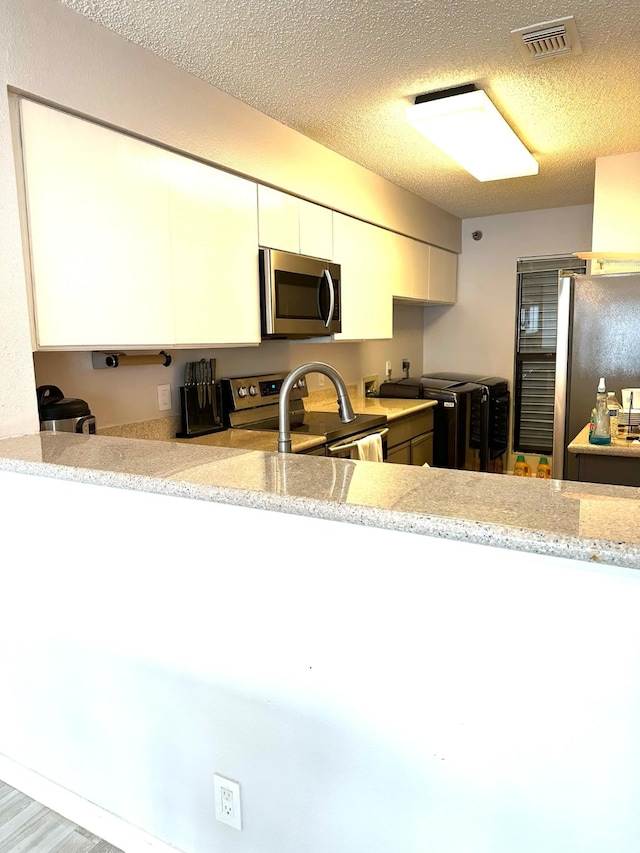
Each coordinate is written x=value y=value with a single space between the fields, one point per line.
x=368 y=448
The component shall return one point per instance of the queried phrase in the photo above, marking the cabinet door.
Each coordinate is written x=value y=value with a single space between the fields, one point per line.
x=443 y=272
x=278 y=220
x=400 y=266
x=98 y=213
x=419 y=259
x=410 y=270
x=214 y=247
x=422 y=449
x=361 y=250
x=291 y=224
x=400 y=455
x=316 y=230
x=423 y=273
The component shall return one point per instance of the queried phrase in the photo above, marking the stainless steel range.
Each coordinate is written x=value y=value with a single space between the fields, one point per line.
x=251 y=402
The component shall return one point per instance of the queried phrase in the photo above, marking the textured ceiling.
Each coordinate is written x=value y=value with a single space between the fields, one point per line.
x=343 y=72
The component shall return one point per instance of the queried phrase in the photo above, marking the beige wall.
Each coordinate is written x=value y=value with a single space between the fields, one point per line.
x=55 y=54
x=477 y=334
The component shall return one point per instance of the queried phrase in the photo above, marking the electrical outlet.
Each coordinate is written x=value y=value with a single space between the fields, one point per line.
x=388 y=369
x=369 y=385
x=164 y=397
x=227 y=801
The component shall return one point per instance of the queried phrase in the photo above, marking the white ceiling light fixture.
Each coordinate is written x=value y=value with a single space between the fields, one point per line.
x=464 y=124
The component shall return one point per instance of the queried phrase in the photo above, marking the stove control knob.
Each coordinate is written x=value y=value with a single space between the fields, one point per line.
x=301 y=382
x=253 y=390
x=242 y=391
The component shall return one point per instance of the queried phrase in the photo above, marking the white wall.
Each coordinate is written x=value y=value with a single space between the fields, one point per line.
x=477 y=334
x=467 y=699
x=55 y=54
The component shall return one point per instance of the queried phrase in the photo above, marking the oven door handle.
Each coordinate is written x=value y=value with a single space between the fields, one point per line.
x=332 y=297
x=349 y=445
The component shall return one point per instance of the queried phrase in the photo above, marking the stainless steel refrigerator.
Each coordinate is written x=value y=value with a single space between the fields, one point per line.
x=598 y=335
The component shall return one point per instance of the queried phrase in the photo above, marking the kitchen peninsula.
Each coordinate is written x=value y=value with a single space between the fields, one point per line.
x=555 y=518
x=482 y=611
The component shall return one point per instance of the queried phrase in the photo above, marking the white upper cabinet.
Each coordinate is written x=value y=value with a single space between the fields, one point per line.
x=443 y=276
x=98 y=214
x=316 y=230
x=410 y=275
x=214 y=249
x=291 y=224
x=134 y=246
x=423 y=273
x=278 y=220
x=363 y=252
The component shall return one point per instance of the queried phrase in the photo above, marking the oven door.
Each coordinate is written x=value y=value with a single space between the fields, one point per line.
x=300 y=296
x=348 y=447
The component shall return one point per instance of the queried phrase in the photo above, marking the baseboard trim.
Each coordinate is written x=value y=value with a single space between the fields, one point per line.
x=75 y=808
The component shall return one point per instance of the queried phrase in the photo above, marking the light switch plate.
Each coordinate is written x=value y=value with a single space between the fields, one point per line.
x=164 y=397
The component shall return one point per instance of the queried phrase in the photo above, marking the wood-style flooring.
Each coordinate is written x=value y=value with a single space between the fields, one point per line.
x=28 y=827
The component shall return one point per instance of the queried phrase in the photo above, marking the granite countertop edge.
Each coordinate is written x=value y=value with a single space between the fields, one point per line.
x=469 y=529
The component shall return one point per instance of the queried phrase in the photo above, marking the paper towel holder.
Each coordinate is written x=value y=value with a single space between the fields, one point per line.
x=101 y=360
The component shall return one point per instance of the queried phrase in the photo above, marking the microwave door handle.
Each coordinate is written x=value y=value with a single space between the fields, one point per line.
x=332 y=297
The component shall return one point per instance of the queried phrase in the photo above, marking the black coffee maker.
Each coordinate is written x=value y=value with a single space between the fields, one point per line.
x=63 y=414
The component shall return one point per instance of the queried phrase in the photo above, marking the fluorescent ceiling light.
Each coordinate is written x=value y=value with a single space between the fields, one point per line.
x=464 y=124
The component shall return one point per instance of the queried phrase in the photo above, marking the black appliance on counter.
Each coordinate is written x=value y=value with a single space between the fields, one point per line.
x=251 y=402
x=489 y=416
x=63 y=414
x=451 y=416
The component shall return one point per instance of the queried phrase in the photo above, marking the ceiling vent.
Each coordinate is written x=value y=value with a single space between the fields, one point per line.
x=549 y=40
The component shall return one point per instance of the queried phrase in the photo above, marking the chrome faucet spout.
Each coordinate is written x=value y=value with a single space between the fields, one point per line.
x=345 y=409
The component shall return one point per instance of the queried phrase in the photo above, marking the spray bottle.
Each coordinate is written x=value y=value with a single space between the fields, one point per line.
x=602 y=424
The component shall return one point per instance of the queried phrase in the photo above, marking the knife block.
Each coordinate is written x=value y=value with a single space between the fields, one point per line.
x=199 y=416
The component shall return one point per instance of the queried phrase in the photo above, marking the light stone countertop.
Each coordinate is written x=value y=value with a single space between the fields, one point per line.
x=164 y=429
x=325 y=401
x=565 y=519
x=618 y=446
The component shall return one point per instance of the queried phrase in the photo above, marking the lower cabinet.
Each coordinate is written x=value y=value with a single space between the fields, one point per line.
x=410 y=439
x=611 y=470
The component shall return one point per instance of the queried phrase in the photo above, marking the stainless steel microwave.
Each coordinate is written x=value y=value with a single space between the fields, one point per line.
x=299 y=295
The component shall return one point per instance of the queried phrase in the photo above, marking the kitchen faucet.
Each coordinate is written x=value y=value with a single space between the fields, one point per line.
x=345 y=409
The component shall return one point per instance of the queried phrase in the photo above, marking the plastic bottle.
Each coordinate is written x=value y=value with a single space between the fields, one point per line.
x=522 y=468
x=602 y=427
x=544 y=469
x=614 y=413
